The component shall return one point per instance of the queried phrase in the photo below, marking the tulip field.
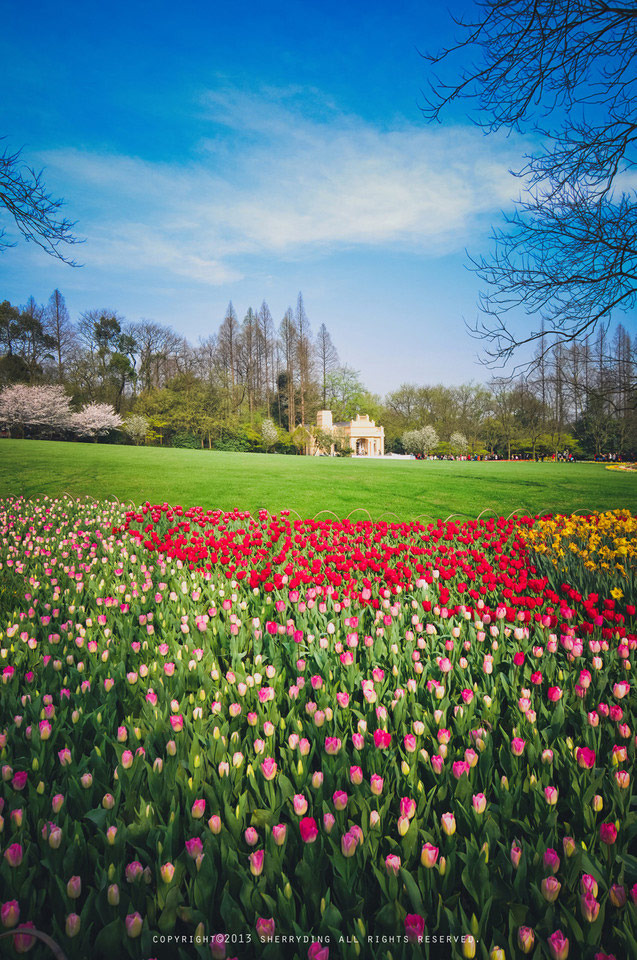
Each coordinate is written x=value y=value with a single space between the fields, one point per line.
x=225 y=735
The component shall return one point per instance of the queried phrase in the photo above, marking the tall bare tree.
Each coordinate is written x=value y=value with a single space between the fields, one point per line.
x=327 y=358
x=266 y=352
x=288 y=335
x=58 y=325
x=304 y=353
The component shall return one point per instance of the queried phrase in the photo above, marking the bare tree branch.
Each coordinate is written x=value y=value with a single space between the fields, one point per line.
x=24 y=195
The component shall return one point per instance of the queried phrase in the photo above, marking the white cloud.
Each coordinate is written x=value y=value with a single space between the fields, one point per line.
x=282 y=175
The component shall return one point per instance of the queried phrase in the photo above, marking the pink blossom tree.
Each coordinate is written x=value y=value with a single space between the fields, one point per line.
x=42 y=407
x=95 y=420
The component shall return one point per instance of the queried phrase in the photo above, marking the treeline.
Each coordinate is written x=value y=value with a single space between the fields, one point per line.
x=255 y=384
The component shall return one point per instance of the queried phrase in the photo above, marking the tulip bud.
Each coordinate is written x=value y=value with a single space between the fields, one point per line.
x=72 y=926
x=134 y=924
x=526 y=939
x=617 y=895
x=113 y=895
x=10 y=914
x=550 y=889
x=568 y=844
x=469 y=947
x=74 y=888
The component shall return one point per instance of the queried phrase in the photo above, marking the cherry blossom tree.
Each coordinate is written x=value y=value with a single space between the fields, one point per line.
x=96 y=419
x=41 y=407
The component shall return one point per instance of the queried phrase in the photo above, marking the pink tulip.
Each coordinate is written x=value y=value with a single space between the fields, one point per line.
x=279 y=832
x=74 y=888
x=551 y=860
x=414 y=927
x=167 y=872
x=376 y=784
x=133 y=924
x=340 y=799
x=392 y=863
x=382 y=739
x=558 y=946
x=251 y=836
x=194 y=847
x=198 y=809
x=551 y=795
x=588 y=884
x=134 y=871
x=437 y=762
x=459 y=768
x=19 y=781
x=585 y=758
x=308 y=829
x=479 y=802
x=218 y=947
x=256 y=862
x=72 y=925
x=318 y=951
x=429 y=855
x=550 y=887
x=13 y=855
x=608 y=833
x=517 y=746
x=349 y=842
x=265 y=928
x=448 y=822
x=300 y=804
x=526 y=939
x=515 y=855
x=268 y=768
x=10 y=913
x=22 y=942
x=617 y=894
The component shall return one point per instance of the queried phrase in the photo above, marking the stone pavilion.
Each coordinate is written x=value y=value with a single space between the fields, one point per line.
x=365 y=439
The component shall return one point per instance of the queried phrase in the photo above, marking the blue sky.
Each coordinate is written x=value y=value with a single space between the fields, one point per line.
x=214 y=152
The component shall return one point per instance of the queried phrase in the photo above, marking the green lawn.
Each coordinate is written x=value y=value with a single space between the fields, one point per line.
x=251 y=481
